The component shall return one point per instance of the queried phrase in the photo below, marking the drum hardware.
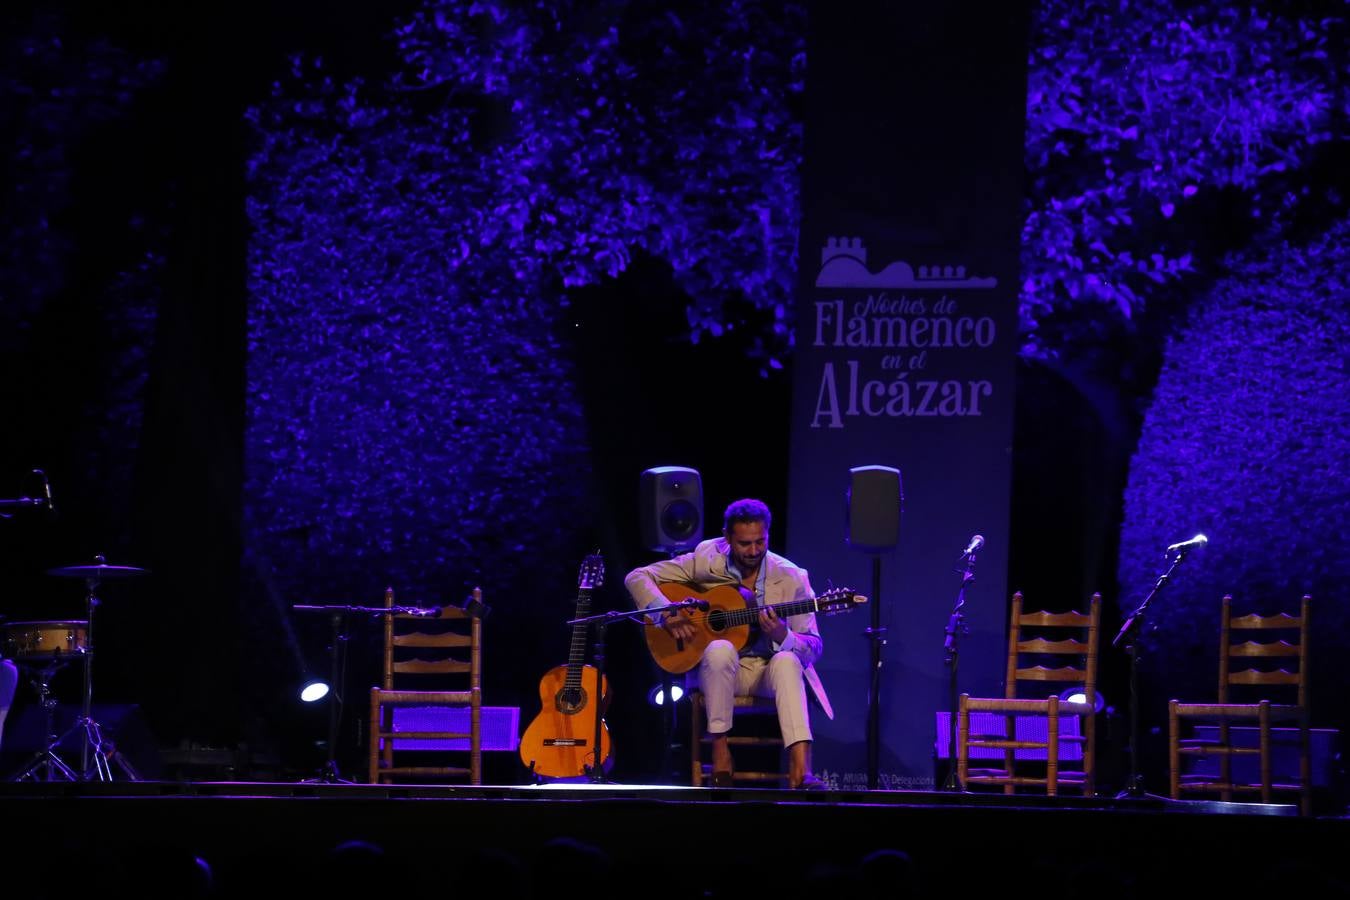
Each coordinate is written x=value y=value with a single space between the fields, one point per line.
x=46 y=765
x=104 y=754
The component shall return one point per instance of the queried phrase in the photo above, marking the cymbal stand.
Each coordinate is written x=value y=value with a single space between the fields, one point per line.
x=104 y=753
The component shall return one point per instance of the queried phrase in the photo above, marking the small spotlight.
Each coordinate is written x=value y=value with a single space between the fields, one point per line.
x=657 y=695
x=313 y=690
x=1078 y=695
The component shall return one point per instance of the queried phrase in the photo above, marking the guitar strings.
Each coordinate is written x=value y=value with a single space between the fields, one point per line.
x=751 y=613
x=699 y=616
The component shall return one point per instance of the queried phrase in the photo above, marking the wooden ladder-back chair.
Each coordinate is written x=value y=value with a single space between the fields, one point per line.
x=1030 y=643
x=1273 y=652
x=454 y=639
x=768 y=737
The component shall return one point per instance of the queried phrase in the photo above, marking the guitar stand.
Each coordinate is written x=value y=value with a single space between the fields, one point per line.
x=595 y=773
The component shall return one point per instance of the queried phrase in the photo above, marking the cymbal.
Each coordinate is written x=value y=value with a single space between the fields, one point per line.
x=99 y=572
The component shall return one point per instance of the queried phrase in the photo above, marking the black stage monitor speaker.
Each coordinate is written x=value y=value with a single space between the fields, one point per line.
x=874 y=501
x=672 y=508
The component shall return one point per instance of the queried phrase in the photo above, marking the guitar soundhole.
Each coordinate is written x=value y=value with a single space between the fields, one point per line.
x=717 y=620
x=570 y=701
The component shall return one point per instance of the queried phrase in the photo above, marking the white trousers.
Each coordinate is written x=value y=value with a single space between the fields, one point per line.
x=724 y=675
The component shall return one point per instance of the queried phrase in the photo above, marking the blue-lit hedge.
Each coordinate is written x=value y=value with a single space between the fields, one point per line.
x=1247 y=441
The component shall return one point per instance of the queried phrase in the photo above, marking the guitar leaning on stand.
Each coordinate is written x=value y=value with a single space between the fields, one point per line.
x=559 y=741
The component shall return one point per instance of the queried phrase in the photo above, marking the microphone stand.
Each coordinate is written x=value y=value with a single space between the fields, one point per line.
x=956 y=626
x=337 y=648
x=23 y=503
x=44 y=502
x=670 y=716
x=1131 y=636
x=595 y=774
x=337 y=688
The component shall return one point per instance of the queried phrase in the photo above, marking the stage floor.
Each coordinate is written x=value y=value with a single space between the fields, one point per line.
x=123 y=833
x=607 y=792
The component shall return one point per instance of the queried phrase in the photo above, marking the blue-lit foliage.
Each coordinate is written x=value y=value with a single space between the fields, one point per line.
x=618 y=127
x=1247 y=442
x=58 y=92
x=412 y=411
x=77 y=304
x=1150 y=125
x=409 y=408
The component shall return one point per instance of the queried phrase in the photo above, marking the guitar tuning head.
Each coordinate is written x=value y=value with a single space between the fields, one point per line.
x=592 y=573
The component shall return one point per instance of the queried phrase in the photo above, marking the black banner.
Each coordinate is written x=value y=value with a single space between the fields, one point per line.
x=906 y=342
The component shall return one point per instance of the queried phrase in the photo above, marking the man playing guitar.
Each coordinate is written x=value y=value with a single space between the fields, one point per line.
x=776 y=662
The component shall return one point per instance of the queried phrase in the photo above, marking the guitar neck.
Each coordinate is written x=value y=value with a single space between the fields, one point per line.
x=750 y=615
x=576 y=656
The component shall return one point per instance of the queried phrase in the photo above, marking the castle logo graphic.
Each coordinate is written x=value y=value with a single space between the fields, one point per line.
x=843 y=264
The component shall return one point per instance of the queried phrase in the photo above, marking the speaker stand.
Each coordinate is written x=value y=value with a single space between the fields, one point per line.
x=876 y=635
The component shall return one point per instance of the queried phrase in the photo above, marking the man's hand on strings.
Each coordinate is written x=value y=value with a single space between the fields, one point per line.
x=678 y=625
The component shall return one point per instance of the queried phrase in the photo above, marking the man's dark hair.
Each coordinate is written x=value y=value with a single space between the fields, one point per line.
x=747 y=510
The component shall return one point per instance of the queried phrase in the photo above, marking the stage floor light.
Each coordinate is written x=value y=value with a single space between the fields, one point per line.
x=313 y=690
x=1076 y=695
x=657 y=695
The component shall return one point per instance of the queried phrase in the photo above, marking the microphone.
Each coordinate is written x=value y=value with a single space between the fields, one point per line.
x=425 y=612
x=976 y=543
x=46 y=490
x=1198 y=541
x=695 y=603
x=474 y=605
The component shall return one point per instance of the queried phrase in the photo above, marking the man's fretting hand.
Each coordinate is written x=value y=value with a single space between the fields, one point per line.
x=771 y=625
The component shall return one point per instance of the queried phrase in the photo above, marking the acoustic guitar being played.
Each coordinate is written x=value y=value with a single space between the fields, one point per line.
x=730 y=614
x=559 y=742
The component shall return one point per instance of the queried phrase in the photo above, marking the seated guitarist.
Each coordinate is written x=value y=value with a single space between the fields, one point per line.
x=775 y=663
